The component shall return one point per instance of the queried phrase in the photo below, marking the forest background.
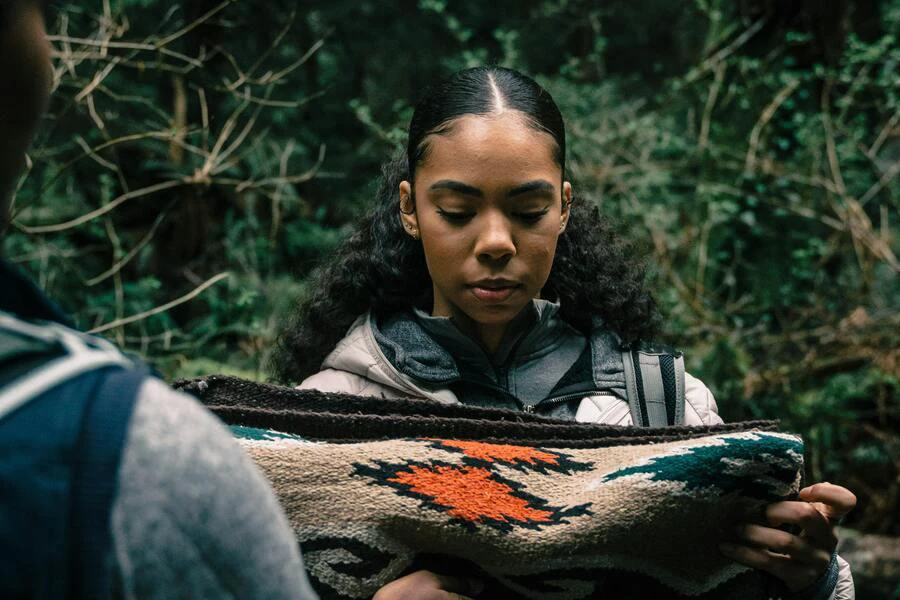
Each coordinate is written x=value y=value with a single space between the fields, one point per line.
x=200 y=158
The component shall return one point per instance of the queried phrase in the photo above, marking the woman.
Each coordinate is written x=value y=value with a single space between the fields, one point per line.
x=481 y=278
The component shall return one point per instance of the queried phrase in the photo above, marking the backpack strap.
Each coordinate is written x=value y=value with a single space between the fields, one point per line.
x=88 y=384
x=96 y=478
x=655 y=385
x=78 y=354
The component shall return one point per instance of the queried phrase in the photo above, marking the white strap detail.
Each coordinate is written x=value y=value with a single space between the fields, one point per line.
x=81 y=358
x=679 y=390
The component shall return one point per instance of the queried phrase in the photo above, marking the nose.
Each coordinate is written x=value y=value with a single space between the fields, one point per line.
x=495 y=238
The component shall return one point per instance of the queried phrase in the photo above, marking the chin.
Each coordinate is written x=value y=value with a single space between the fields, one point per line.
x=494 y=315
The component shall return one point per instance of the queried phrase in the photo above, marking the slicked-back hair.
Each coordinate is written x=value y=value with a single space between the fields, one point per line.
x=483 y=91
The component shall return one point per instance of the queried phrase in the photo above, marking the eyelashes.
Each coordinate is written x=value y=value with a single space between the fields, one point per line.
x=532 y=217
x=460 y=218
x=455 y=217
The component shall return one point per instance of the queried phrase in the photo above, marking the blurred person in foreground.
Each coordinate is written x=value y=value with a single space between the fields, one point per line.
x=111 y=484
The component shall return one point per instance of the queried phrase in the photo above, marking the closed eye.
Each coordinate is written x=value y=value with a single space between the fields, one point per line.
x=455 y=217
x=531 y=217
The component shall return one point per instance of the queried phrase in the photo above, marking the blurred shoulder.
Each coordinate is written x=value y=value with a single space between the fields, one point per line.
x=699 y=404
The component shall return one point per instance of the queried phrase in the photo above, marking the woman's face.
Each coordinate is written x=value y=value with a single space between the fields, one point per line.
x=489 y=207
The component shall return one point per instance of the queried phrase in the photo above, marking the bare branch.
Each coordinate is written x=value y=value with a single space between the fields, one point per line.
x=98 y=79
x=296 y=64
x=145 y=191
x=309 y=174
x=710 y=103
x=66 y=40
x=881 y=183
x=236 y=143
x=212 y=160
x=97 y=158
x=204 y=117
x=276 y=197
x=883 y=135
x=830 y=148
x=725 y=52
x=196 y=23
x=764 y=118
x=119 y=264
x=163 y=308
x=275 y=42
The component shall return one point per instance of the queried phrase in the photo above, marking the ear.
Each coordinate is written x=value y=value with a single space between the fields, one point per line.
x=408 y=217
x=566 y=211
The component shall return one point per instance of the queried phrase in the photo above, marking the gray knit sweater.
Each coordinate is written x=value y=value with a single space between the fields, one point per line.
x=194 y=517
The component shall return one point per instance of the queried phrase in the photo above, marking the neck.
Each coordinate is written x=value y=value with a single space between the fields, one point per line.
x=491 y=335
x=488 y=334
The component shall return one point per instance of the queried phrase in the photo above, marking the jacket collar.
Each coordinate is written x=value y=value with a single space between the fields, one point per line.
x=528 y=331
x=361 y=353
x=430 y=349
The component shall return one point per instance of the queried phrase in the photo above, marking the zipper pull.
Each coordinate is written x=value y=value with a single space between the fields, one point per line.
x=529 y=408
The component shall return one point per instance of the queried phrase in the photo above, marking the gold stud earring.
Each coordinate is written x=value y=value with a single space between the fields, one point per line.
x=413 y=233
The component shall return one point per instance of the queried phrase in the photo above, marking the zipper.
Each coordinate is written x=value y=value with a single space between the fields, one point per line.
x=502 y=392
x=533 y=408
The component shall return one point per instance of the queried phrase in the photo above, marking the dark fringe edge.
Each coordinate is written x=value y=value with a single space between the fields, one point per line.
x=345 y=418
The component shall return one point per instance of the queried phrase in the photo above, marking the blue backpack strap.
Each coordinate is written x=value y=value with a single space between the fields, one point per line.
x=89 y=388
x=98 y=456
x=80 y=354
x=655 y=385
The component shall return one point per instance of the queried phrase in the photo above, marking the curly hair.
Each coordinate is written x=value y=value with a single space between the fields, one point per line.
x=379 y=268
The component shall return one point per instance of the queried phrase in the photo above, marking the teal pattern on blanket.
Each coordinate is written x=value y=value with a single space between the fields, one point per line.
x=729 y=465
x=262 y=435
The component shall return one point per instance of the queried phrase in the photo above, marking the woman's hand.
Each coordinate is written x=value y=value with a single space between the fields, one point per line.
x=425 y=585
x=800 y=559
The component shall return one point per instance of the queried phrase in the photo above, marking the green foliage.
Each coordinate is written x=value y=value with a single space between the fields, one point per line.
x=753 y=148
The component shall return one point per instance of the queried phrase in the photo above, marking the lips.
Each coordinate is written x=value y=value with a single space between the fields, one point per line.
x=494 y=290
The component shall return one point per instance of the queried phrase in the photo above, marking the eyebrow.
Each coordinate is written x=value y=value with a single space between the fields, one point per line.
x=538 y=185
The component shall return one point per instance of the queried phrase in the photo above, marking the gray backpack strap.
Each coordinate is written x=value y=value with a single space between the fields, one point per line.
x=655 y=385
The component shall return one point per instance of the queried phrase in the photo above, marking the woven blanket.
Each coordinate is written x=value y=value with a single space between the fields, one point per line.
x=536 y=507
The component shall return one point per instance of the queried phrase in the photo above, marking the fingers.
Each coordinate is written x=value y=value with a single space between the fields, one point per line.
x=797 y=559
x=782 y=542
x=457 y=585
x=816 y=527
x=794 y=574
x=426 y=585
x=832 y=500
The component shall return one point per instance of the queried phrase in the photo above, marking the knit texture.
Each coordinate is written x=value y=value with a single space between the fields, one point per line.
x=537 y=508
